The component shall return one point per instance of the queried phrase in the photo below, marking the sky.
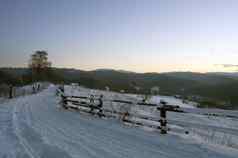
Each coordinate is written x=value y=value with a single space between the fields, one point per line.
x=134 y=35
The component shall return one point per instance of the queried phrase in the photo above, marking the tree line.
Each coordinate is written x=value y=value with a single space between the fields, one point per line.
x=39 y=69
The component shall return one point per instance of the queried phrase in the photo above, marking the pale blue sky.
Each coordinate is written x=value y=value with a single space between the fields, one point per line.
x=136 y=35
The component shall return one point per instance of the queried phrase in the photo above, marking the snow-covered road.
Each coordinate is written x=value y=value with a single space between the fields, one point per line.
x=36 y=127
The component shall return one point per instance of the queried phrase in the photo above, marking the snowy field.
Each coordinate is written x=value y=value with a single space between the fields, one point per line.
x=36 y=126
x=21 y=91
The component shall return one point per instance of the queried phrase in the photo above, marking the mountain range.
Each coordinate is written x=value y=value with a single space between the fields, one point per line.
x=219 y=86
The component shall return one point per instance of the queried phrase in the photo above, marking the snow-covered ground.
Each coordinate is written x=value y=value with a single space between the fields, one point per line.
x=37 y=127
x=1 y=99
x=22 y=91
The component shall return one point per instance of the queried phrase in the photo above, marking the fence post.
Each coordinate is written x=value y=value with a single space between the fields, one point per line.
x=64 y=101
x=38 y=87
x=163 y=121
x=61 y=87
x=33 y=89
x=10 y=92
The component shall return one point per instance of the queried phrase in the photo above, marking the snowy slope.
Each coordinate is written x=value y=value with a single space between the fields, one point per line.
x=218 y=130
x=171 y=100
x=35 y=126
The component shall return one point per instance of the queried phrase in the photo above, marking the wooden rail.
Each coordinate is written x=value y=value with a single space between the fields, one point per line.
x=125 y=116
x=155 y=122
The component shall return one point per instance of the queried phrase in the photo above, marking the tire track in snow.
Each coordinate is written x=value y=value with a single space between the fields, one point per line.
x=67 y=136
x=30 y=139
x=85 y=136
x=79 y=135
x=22 y=141
x=53 y=131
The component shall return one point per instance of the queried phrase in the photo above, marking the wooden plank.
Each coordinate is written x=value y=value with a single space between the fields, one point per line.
x=80 y=97
x=83 y=104
x=122 y=101
x=146 y=104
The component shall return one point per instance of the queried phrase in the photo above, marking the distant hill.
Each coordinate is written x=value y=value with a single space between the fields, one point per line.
x=221 y=86
x=15 y=72
x=6 y=78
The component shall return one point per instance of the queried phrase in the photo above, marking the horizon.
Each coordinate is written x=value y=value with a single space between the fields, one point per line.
x=125 y=71
x=139 y=36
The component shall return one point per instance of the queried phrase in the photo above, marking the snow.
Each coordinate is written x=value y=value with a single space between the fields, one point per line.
x=35 y=126
x=171 y=100
x=1 y=99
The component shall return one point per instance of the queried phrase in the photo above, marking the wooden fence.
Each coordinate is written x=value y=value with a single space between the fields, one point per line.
x=79 y=103
x=76 y=102
x=10 y=91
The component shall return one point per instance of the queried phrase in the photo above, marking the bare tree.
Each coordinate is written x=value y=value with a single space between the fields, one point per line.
x=40 y=66
x=39 y=62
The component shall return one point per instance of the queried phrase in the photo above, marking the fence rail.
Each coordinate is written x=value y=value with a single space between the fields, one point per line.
x=159 y=122
x=9 y=91
x=89 y=106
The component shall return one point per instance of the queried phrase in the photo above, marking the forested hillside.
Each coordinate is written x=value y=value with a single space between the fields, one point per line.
x=218 y=86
